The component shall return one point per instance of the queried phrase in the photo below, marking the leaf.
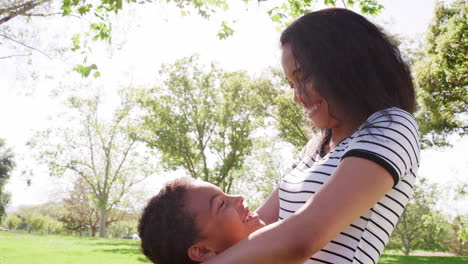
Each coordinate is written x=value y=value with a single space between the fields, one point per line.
x=76 y=42
x=85 y=70
x=66 y=7
x=225 y=31
x=84 y=9
x=277 y=17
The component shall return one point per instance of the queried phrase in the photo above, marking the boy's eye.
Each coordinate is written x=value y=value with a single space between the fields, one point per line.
x=221 y=203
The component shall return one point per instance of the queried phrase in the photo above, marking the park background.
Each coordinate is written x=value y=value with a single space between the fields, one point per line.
x=56 y=78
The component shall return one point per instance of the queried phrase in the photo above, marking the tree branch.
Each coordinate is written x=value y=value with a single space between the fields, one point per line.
x=91 y=146
x=16 y=55
x=41 y=15
x=344 y=4
x=21 y=9
x=125 y=154
x=29 y=47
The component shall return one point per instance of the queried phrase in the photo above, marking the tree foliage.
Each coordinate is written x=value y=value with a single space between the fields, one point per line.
x=6 y=165
x=97 y=150
x=123 y=228
x=441 y=75
x=81 y=213
x=291 y=9
x=201 y=120
x=288 y=117
x=460 y=239
x=421 y=226
x=206 y=121
x=41 y=218
x=99 y=13
x=12 y=222
x=205 y=8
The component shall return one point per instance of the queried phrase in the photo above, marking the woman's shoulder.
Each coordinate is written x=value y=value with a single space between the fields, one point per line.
x=390 y=124
x=394 y=117
x=389 y=113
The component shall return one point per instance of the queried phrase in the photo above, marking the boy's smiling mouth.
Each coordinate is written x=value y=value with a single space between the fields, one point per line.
x=249 y=216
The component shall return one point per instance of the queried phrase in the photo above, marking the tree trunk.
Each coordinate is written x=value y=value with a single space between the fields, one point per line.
x=407 y=251
x=102 y=220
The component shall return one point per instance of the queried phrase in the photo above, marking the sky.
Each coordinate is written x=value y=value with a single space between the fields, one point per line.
x=144 y=37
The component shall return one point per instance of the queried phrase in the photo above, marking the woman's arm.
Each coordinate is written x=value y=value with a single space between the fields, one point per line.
x=355 y=186
x=269 y=210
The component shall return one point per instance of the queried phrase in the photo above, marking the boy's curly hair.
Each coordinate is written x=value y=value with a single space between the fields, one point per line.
x=166 y=229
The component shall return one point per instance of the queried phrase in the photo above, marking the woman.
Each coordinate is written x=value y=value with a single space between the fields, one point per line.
x=344 y=197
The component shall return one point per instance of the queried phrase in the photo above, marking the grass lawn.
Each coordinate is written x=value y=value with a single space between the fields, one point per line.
x=396 y=259
x=20 y=248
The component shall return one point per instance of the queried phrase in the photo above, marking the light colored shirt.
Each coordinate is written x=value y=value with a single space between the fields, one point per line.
x=390 y=138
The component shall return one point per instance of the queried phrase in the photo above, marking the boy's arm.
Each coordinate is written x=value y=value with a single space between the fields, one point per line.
x=269 y=210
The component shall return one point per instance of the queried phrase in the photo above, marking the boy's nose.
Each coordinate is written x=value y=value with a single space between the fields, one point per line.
x=238 y=200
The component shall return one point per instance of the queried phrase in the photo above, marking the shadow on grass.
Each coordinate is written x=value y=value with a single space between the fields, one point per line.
x=117 y=244
x=143 y=259
x=125 y=251
x=396 y=259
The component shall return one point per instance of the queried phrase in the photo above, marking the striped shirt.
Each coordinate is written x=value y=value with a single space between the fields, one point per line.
x=390 y=138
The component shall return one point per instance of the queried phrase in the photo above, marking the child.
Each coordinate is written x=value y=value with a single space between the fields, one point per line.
x=190 y=221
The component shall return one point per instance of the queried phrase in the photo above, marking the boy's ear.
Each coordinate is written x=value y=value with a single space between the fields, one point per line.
x=200 y=252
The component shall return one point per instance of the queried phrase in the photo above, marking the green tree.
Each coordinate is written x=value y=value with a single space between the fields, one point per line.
x=12 y=222
x=36 y=223
x=288 y=117
x=6 y=165
x=459 y=241
x=99 y=14
x=33 y=221
x=202 y=120
x=123 y=228
x=421 y=226
x=441 y=75
x=436 y=234
x=102 y=8
x=52 y=226
x=97 y=150
x=81 y=213
x=53 y=210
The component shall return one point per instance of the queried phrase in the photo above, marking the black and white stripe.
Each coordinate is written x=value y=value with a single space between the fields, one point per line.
x=389 y=138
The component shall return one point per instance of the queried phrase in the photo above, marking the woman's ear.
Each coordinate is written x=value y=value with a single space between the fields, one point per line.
x=200 y=252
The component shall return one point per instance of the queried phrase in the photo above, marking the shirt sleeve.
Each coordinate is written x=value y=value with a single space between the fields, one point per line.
x=389 y=138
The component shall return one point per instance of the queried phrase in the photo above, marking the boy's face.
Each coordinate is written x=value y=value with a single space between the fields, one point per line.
x=222 y=220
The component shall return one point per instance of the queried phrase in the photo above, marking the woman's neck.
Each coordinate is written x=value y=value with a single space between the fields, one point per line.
x=338 y=135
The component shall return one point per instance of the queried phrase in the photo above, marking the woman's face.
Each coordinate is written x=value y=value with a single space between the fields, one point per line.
x=222 y=219
x=315 y=106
